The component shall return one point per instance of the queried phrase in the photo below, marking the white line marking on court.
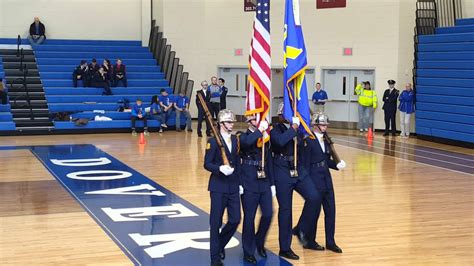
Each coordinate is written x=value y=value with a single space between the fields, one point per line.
x=405 y=159
x=401 y=146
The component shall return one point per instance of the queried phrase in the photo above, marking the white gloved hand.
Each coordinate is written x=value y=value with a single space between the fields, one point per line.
x=295 y=121
x=226 y=170
x=263 y=125
x=241 y=190
x=341 y=165
x=273 y=189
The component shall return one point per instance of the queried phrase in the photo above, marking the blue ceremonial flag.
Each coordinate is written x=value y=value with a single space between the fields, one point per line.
x=295 y=64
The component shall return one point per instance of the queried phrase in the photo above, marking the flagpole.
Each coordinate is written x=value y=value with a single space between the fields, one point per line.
x=295 y=139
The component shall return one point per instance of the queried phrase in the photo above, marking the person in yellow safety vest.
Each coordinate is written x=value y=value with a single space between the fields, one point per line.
x=367 y=105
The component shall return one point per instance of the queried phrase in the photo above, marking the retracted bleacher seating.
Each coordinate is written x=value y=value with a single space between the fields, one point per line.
x=445 y=83
x=57 y=60
x=6 y=119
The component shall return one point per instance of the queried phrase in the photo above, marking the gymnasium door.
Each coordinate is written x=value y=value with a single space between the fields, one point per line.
x=340 y=86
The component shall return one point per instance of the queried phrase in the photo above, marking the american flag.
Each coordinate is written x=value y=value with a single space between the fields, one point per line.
x=259 y=86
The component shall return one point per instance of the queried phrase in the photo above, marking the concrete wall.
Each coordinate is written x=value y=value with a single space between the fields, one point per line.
x=204 y=34
x=78 y=19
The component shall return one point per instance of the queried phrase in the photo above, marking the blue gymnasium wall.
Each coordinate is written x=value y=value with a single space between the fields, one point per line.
x=445 y=83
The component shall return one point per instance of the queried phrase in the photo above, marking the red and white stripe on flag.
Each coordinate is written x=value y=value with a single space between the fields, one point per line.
x=259 y=85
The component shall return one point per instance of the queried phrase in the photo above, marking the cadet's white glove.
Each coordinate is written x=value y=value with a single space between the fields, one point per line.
x=263 y=125
x=226 y=170
x=341 y=165
x=241 y=190
x=295 y=121
x=274 y=191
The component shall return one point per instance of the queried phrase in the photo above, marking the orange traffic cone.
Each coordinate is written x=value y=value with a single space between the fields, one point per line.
x=370 y=134
x=142 y=138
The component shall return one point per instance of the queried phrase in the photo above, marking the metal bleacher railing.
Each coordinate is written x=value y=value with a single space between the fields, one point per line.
x=169 y=63
x=22 y=81
x=431 y=14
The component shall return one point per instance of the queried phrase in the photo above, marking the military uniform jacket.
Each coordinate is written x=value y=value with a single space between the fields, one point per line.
x=282 y=144
x=249 y=151
x=390 y=100
x=317 y=163
x=218 y=182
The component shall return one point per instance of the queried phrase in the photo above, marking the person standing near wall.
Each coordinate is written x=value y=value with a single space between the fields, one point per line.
x=37 y=32
x=367 y=104
x=201 y=114
x=215 y=101
x=406 y=107
x=390 y=97
x=224 y=91
x=320 y=97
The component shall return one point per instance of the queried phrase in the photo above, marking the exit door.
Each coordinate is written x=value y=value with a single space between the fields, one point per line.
x=340 y=86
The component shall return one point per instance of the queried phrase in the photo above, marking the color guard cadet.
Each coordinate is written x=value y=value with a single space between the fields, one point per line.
x=316 y=158
x=224 y=184
x=282 y=146
x=257 y=180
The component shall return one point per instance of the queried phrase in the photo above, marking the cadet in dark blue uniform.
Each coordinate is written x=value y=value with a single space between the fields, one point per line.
x=317 y=160
x=390 y=97
x=259 y=189
x=224 y=186
x=282 y=146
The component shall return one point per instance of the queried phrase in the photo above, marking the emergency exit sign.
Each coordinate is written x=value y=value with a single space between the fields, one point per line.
x=347 y=51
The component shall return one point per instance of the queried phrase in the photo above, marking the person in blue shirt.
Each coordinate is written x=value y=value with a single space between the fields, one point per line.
x=406 y=107
x=181 y=105
x=139 y=113
x=166 y=106
x=156 y=113
x=320 y=97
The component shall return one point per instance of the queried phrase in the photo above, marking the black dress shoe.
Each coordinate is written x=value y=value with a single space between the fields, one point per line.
x=295 y=231
x=394 y=134
x=289 y=255
x=217 y=263
x=313 y=246
x=200 y=135
x=250 y=259
x=262 y=252
x=222 y=254
x=334 y=248
x=209 y=134
x=302 y=238
x=385 y=134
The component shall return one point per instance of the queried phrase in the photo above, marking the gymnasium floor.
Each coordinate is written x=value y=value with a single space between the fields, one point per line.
x=398 y=202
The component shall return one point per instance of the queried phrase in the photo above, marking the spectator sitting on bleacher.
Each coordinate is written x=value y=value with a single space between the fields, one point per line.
x=37 y=32
x=156 y=113
x=93 y=68
x=166 y=105
x=138 y=112
x=181 y=105
x=119 y=74
x=109 y=71
x=3 y=92
x=81 y=73
x=99 y=80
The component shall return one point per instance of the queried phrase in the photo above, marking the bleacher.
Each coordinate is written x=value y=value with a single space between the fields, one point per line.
x=6 y=119
x=445 y=83
x=58 y=58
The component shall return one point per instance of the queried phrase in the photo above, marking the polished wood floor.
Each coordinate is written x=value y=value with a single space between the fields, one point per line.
x=390 y=210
